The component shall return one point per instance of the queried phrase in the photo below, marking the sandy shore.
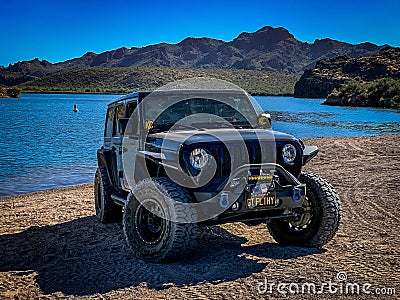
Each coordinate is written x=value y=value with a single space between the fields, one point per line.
x=52 y=246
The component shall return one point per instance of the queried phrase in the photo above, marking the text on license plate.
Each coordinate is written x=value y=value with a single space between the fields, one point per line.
x=260 y=201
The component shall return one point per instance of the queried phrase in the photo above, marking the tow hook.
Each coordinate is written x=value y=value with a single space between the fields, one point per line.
x=297 y=194
x=224 y=200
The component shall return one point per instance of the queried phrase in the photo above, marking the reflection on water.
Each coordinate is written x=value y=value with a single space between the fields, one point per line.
x=44 y=144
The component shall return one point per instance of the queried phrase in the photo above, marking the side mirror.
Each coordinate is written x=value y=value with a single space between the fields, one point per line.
x=264 y=121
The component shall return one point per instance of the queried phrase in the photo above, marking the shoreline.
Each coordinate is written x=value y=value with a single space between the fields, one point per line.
x=306 y=141
x=112 y=93
x=71 y=92
x=43 y=192
x=326 y=102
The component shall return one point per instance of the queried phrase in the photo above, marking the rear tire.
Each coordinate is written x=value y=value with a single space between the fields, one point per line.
x=319 y=221
x=106 y=209
x=148 y=228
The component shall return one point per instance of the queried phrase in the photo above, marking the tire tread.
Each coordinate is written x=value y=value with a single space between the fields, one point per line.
x=330 y=217
x=111 y=212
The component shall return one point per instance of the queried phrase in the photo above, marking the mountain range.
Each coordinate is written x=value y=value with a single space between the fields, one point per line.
x=268 y=49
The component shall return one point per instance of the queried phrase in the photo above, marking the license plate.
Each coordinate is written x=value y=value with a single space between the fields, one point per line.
x=261 y=200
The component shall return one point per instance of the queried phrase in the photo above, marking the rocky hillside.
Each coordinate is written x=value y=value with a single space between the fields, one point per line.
x=124 y=80
x=268 y=49
x=330 y=74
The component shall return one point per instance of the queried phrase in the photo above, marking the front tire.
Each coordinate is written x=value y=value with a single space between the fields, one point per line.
x=319 y=221
x=158 y=226
x=106 y=209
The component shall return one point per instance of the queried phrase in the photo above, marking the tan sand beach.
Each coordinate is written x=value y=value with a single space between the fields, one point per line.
x=52 y=246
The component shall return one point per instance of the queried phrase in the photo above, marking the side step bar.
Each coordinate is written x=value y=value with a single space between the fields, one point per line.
x=119 y=199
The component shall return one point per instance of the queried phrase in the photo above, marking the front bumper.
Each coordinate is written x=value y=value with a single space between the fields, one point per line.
x=281 y=197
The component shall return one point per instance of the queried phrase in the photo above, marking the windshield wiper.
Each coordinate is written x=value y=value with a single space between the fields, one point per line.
x=158 y=129
x=183 y=126
x=220 y=124
x=198 y=126
x=242 y=125
x=170 y=126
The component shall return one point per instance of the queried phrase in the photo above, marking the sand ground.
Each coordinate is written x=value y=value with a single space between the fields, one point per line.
x=52 y=246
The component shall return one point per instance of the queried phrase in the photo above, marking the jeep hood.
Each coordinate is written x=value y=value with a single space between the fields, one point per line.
x=172 y=140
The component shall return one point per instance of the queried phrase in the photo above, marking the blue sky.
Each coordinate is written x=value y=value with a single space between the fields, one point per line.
x=60 y=30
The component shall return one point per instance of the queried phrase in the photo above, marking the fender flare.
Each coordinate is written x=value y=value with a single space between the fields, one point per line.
x=104 y=160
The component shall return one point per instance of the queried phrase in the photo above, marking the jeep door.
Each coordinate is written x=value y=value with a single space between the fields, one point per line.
x=130 y=144
x=113 y=140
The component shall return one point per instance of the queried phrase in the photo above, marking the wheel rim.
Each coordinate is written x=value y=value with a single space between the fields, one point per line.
x=149 y=221
x=306 y=218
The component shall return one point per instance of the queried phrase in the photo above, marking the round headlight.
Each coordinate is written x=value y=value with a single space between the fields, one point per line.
x=198 y=158
x=289 y=154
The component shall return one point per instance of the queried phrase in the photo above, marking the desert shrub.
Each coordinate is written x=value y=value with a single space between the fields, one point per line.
x=14 y=92
x=383 y=92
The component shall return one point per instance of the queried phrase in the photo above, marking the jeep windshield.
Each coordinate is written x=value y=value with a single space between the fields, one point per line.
x=197 y=113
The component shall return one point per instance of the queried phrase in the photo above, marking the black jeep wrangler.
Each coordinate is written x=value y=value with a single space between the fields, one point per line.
x=175 y=160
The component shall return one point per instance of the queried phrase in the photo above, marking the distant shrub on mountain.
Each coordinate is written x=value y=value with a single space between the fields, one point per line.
x=383 y=92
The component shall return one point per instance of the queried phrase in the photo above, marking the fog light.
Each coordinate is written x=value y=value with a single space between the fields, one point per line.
x=235 y=206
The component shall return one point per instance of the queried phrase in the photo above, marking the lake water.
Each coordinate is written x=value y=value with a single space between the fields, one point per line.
x=44 y=144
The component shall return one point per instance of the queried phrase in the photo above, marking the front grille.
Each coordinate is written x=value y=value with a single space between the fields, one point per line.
x=252 y=154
